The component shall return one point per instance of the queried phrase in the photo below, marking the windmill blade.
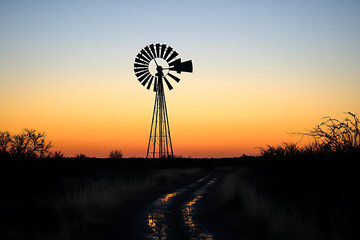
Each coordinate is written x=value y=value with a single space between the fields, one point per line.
x=144 y=53
x=150 y=52
x=138 y=70
x=168 y=51
x=138 y=65
x=153 y=51
x=150 y=82
x=162 y=51
x=157 y=49
x=167 y=83
x=172 y=56
x=141 y=78
x=140 y=56
x=141 y=73
x=146 y=79
x=174 y=77
x=141 y=61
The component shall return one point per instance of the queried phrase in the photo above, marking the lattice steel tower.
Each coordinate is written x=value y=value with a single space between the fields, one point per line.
x=152 y=65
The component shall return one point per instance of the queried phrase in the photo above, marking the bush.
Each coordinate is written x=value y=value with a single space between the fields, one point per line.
x=333 y=135
x=286 y=149
x=115 y=154
x=330 y=136
x=58 y=154
x=81 y=156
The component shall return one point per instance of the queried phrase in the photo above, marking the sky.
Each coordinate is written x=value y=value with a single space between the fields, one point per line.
x=262 y=70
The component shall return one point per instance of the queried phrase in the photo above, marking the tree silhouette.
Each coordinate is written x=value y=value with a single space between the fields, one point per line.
x=5 y=140
x=29 y=143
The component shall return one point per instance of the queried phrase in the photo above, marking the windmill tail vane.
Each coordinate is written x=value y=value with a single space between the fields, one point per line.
x=154 y=65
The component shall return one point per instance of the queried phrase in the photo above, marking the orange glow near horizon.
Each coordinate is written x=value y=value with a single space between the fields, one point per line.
x=225 y=121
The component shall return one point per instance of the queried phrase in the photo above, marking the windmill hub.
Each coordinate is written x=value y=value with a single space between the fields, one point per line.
x=158 y=62
x=148 y=67
x=159 y=69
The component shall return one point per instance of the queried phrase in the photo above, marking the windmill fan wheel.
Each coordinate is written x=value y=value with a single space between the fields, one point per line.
x=152 y=53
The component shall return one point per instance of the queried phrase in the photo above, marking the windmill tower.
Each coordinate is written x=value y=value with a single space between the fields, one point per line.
x=152 y=67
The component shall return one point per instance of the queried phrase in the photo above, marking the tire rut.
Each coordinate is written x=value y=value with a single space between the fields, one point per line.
x=197 y=231
x=172 y=215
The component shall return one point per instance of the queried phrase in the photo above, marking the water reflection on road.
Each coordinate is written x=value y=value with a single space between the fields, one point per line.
x=189 y=210
x=156 y=218
x=157 y=221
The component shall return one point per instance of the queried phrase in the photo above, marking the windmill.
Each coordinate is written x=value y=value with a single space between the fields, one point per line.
x=154 y=65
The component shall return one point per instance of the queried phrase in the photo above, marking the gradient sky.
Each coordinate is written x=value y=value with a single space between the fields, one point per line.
x=262 y=69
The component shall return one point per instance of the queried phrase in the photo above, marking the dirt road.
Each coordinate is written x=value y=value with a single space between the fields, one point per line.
x=173 y=215
x=187 y=212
